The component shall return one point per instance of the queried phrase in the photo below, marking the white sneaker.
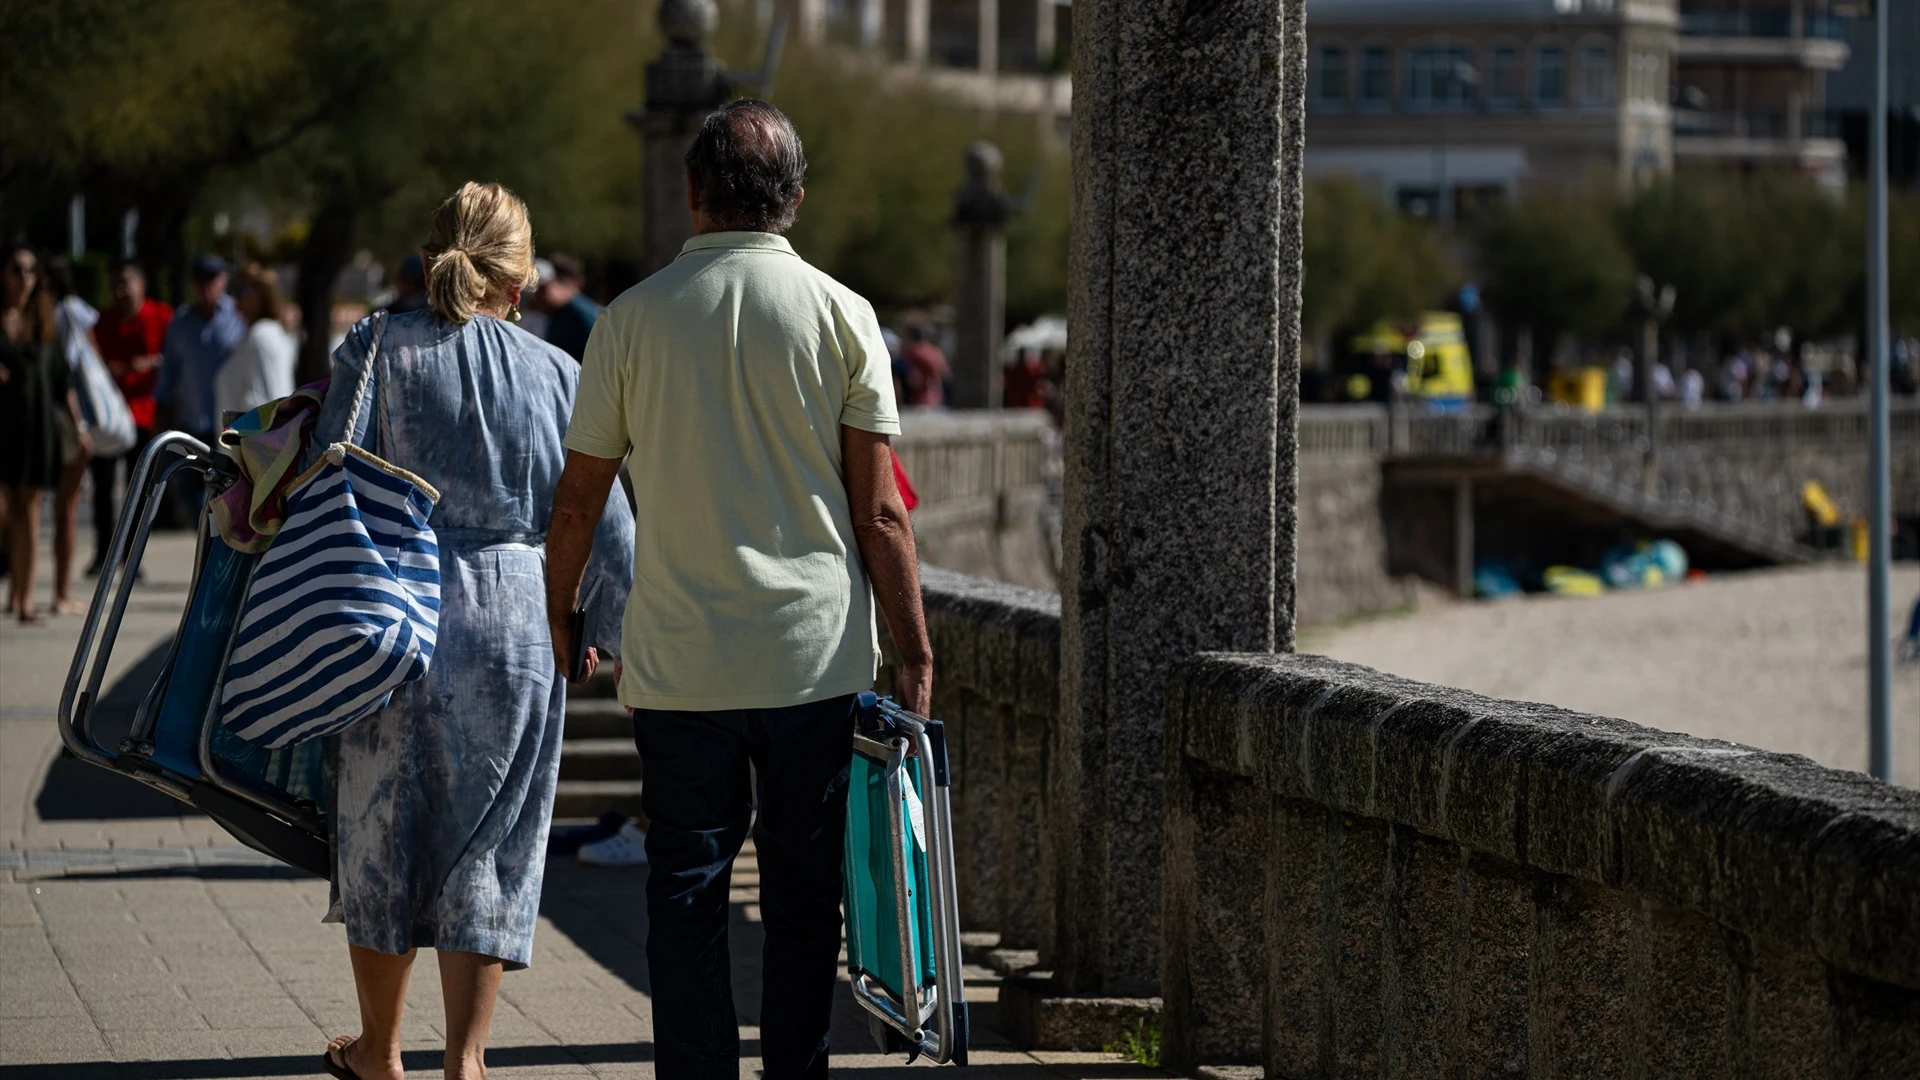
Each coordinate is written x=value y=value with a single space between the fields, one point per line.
x=628 y=847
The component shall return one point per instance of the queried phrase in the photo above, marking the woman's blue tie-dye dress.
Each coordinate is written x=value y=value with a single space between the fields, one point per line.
x=442 y=801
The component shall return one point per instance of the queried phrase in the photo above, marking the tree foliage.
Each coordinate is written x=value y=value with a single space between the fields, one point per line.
x=1364 y=261
x=1553 y=262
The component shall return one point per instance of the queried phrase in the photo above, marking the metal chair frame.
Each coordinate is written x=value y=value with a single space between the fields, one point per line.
x=262 y=816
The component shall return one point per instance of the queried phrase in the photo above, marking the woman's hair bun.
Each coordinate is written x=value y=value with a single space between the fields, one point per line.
x=480 y=242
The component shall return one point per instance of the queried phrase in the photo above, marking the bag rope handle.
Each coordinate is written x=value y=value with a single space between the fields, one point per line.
x=360 y=391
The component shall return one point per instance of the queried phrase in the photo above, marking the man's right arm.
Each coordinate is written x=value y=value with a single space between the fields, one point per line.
x=885 y=536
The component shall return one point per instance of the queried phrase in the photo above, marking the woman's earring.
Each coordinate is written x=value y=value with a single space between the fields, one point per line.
x=513 y=313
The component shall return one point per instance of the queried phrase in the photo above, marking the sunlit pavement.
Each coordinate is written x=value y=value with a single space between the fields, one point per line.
x=139 y=942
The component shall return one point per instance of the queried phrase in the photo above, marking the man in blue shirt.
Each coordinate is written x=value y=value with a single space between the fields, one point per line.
x=201 y=337
x=570 y=315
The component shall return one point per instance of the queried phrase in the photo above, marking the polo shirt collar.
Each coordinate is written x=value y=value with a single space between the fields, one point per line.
x=739 y=241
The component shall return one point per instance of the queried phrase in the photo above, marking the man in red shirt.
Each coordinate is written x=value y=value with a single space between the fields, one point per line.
x=927 y=371
x=129 y=336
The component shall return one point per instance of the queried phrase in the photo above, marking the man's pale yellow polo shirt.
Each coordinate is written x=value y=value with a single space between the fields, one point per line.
x=728 y=375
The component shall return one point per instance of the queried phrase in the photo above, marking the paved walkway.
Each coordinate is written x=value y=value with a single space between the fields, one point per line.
x=139 y=942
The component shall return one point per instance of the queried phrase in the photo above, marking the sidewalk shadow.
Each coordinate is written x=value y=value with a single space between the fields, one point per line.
x=249 y=1068
x=75 y=790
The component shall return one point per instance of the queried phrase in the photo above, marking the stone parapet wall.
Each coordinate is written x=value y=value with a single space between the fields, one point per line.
x=1370 y=876
x=986 y=482
x=1366 y=875
x=996 y=682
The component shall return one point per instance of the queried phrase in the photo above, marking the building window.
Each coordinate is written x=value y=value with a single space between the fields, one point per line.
x=1596 y=75
x=1439 y=78
x=1503 y=75
x=1376 y=76
x=1333 y=74
x=1550 y=76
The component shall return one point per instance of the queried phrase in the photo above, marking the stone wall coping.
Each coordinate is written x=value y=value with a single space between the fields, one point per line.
x=1774 y=845
x=998 y=642
x=929 y=423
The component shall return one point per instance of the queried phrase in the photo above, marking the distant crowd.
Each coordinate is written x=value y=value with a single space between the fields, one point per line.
x=233 y=345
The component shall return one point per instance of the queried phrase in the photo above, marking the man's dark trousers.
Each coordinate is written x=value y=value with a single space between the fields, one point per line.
x=697 y=793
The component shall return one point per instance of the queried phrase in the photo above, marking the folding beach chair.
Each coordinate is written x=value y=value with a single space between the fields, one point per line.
x=270 y=800
x=903 y=915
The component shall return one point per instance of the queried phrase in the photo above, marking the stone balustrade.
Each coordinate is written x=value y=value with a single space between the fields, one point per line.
x=1369 y=876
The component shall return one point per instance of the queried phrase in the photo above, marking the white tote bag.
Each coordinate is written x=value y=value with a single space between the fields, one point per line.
x=102 y=407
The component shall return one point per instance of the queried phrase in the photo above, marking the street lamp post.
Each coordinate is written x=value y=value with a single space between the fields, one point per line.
x=1879 y=357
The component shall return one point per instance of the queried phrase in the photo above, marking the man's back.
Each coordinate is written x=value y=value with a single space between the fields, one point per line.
x=730 y=374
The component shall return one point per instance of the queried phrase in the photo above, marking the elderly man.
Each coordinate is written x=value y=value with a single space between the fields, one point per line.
x=756 y=396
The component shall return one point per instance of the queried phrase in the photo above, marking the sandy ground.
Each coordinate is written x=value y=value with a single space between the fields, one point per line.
x=1776 y=659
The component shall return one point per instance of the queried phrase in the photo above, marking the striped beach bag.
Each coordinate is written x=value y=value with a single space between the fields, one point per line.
x=344 y=606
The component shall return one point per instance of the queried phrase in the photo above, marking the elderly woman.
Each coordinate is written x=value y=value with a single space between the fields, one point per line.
x=442 y=801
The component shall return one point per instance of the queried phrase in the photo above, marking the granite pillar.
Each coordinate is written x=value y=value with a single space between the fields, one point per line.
x=980 y=281
x=1184 y=272
x=683 y=85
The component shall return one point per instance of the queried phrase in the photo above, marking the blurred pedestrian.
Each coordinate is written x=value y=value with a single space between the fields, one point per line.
x=40 y=427
x=73 y=321
x=1693 y=388
x=570 y=313
x=443 y=799
x=409 y=286
x=199 y=342
x=261 y=368
x=927 y=370
x=533 y=300
x=130 y=335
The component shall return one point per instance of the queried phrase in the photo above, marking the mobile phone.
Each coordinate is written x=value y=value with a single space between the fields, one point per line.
x=577 y=663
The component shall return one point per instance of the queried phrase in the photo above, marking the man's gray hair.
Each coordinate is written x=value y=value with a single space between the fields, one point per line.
x=747 y=167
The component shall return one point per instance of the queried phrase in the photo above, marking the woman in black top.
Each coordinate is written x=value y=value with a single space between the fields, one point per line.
x=40 y=428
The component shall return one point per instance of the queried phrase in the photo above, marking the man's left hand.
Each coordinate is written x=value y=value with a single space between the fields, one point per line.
x=562 y=631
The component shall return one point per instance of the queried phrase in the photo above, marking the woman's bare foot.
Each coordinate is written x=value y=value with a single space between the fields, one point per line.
x=66 y=607
x=27 y=616
x=344 y=1053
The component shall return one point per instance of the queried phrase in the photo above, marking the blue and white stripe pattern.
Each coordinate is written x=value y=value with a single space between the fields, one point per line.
x=343 y=608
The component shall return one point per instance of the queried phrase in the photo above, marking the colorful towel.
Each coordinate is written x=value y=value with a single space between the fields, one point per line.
x=268 y=443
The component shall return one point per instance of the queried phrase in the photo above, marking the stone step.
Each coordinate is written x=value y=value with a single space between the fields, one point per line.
x=599 y=759
x=600 y=687
x=597 y=718
x=591 y=798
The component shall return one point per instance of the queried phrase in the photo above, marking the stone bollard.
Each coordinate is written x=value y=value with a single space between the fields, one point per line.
x=980 y=212
x=684 y=84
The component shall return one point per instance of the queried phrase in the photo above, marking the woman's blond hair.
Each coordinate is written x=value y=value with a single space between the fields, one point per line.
x=479 y=242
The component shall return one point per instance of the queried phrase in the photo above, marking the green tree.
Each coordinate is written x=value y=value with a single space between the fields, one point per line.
x=1746 y=255
x=1363 y=260
x=1554 y=263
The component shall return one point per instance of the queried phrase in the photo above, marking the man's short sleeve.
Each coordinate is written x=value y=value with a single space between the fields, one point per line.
x=869 y=404
x=599 y=425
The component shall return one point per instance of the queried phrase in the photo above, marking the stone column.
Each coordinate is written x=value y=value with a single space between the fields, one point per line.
x=979 y=281
x=683 y=86
x=808 y=19
x=1043 y=37
x=1179 y=516
x=986 y=28
x=917 y=16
